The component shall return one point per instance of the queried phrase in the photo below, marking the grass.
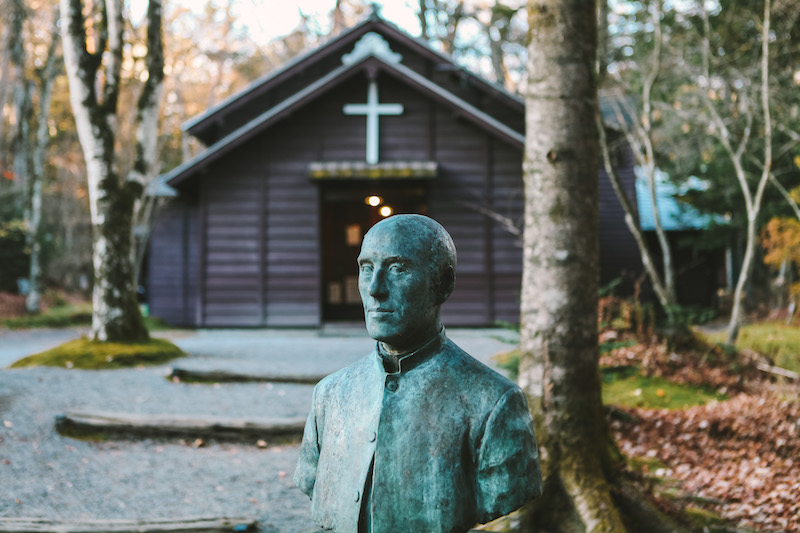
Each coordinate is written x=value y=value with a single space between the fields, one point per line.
x=94 y=355
x=776 y=340
x=70 y=315
x=60 y=316
x=626 y=387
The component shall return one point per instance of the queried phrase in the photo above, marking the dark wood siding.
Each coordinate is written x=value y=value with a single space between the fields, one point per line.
x=619 y=256
x=231 y=269
x=172 y=262
x=507 y=201
x=462 y=153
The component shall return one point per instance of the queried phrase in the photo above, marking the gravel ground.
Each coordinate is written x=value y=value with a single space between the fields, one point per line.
x=43 y=474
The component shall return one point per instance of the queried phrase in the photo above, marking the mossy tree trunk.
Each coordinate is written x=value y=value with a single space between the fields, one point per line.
x=112 y=196
x=559 y=369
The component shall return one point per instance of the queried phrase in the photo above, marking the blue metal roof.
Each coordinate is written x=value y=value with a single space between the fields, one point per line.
x=675 y=215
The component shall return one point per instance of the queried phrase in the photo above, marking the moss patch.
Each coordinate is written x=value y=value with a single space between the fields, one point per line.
x=60 y=316
x=93 y=355
x=631 y=389
x=779 y=342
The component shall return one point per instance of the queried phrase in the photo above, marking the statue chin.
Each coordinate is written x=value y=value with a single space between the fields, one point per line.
x=380 y=331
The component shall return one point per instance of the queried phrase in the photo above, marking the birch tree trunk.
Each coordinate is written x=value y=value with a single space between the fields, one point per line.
x=560 y=272
x=47 y=76
x=22 y=106
x=115 y=314
x=736 y=152
x=640 y=137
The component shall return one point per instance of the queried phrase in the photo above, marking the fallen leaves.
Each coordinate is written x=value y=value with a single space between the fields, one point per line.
x=741 y=457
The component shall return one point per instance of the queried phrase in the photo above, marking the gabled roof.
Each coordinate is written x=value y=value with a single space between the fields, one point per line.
x=316 y=89
x=337 y=45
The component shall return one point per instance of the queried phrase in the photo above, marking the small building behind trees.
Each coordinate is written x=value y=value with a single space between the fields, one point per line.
x=265 y=224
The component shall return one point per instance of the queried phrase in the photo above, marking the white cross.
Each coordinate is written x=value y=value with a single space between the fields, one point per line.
x=373 y=110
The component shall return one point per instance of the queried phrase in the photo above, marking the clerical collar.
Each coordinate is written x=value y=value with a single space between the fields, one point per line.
x=410 y=360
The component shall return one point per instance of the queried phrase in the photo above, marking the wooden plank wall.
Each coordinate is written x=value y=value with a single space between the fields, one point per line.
x=231 y=271
x=462 y=152
x=172 y=262
x=619 y=256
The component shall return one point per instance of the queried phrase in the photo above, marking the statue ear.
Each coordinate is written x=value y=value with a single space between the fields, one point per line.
x=447 y=282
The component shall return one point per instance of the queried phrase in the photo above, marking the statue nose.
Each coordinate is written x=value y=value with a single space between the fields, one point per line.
x=377 y=285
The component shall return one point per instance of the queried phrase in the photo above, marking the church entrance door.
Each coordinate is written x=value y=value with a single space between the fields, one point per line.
x=348 y=211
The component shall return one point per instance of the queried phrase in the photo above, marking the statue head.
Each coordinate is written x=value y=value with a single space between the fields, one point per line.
x=407 y=270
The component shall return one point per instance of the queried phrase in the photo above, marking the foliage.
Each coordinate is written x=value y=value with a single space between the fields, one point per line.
x=777 y=341
x=59 y=316
x=13 y=254
x=94 y=355
x=780 y=238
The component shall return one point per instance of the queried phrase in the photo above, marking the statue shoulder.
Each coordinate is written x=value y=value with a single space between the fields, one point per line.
x=345 y=378
x=473 y=370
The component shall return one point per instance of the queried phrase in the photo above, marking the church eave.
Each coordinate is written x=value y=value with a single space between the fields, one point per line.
x=333 y=79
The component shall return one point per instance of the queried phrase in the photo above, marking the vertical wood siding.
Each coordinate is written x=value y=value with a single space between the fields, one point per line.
x=172 y=259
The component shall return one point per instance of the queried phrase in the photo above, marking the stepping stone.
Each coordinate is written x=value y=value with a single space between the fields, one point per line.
x=185 y=525
x=223 y=376
x=157 y=426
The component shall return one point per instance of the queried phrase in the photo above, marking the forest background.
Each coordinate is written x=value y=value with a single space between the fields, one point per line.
x=681 y=78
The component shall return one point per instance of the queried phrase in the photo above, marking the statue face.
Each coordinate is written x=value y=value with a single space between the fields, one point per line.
x=395 y=280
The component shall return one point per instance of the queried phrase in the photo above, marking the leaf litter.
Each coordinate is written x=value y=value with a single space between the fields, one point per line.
x=739 y=458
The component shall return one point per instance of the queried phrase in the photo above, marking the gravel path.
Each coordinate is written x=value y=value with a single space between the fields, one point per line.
x=43 y=474
x=17 y=344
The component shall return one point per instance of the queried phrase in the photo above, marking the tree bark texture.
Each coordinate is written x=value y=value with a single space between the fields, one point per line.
x=559 y=369
x=47 y=76
x=115 y=315
x=22 y=105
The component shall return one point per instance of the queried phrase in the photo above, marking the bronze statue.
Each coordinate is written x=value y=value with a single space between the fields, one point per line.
x=417 y=435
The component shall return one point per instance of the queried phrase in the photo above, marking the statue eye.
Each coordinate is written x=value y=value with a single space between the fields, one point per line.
x=365 y=268
x=397 y=268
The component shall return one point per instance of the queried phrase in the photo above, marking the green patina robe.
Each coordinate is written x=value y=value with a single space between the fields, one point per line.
x=448 y=440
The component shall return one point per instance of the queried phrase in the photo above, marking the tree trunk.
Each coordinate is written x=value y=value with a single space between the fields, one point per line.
x=47 y=78
x=559 y=370
x=22 y=106
x=754 y=203
x=115 y=315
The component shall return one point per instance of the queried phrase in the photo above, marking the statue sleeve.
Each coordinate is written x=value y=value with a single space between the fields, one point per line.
x=508 y=473
x=306 y=471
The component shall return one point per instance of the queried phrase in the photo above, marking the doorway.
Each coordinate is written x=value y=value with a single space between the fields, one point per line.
x=349 y=210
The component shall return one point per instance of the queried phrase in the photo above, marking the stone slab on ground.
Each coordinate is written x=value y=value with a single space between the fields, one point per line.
x=223 y=375
x=163 y=426
x=184 y=525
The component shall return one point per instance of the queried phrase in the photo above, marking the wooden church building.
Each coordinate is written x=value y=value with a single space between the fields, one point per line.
x=265 y=224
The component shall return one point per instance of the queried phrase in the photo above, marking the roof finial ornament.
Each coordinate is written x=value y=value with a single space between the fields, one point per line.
x=371 y=43
x=375 y=10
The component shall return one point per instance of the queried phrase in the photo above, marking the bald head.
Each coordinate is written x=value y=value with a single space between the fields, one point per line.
x=406 y=272
x=424 y=237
